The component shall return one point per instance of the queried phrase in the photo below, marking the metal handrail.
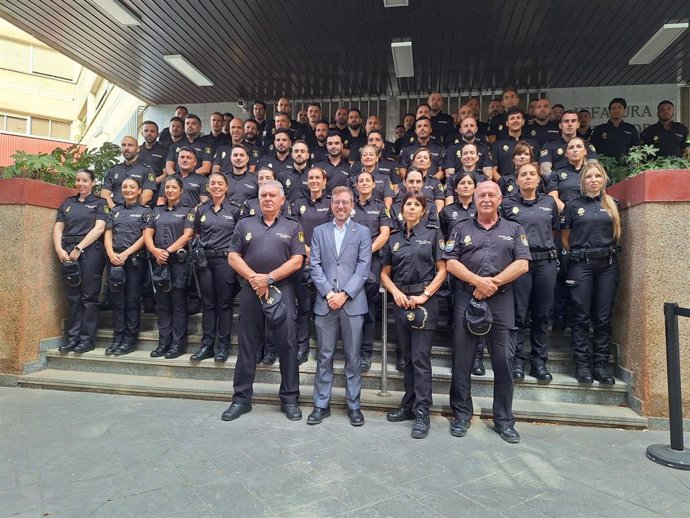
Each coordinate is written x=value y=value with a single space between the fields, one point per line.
x=384 y=343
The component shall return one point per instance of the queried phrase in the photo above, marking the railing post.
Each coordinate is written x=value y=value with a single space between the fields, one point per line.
x=384 y=344
x=675 y=456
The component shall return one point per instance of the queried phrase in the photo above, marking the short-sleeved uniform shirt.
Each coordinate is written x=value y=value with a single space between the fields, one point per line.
x=614 y=141
x=430 y=218
x=504 y=149
x=214 y=142
x=453 y=214
x=294 y=182
x=373 y=215
x=222 y=157
x=273 y=162
x=443 y=125
x=154 y=157
x=266 y=248
x=542 y=134
x=127 y=223
x=242 y=187
x=336 y=174
x=432 y=189
x=79 y=217
x=454 y=152
x=202 y=150
x=413 y=259
x=554 y=152
x=670 y=142
x=383 y=187
x=487 y=252
x=251 y=207
x=565 y=181
x=539 y=218
x=436 y=151
x=452 y=182
x=116 y=175
x=215 y=228
x=590 y=224
x=194 y=186
x=169 y=223
x=311 y=213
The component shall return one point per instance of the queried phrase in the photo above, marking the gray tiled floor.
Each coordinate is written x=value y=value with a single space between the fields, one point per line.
x=66 y=454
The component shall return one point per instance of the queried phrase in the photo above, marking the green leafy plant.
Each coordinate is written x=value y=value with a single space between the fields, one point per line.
x=60 y=166
x=639 y=159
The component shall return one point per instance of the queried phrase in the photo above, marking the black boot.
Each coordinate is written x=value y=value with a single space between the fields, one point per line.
x=518 y=370
x=204 y=352
x=222 y=353
x=539 y=371
x=602 y=374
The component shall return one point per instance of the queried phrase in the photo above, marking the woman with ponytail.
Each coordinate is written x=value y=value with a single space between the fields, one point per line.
x=591 y=230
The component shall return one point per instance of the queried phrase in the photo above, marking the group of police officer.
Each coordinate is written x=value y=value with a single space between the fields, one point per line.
x=441 y=157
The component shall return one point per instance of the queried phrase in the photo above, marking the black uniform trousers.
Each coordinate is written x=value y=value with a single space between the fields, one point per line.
x=304 y=305
x=83 y=299
x=593 y=289
x=500 y=346
x=562 y=293
x=534 y=293
x=415 y=347
x=284 y=335
x=127 y=302
x=371 y=288
x=171 y=307
x=218 y=284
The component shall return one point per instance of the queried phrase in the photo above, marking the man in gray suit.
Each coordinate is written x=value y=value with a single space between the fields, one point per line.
x=340 y=259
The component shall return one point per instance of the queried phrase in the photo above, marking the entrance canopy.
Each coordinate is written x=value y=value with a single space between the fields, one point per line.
x=328 y=49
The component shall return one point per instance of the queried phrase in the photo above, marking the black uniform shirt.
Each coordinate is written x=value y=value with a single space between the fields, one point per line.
x=266 y=248
x=413 y=259
x=454 y=152
x=508 y=185
x=169 y=223
x=498 y=127
x=294 y=182
x=587 y=134
x=223 y=154
x=382 y=185
x=355 y=143
x=317 y=154
x=538 y=217
x=311 y=214
x=430 y=218
x=452 y=182
x=566 y=182
x=215 y=228
x=273 y=162
x=80 y=217
x=214 y=143
x=164 y=138
x=614 y=141
x=127 y=223
x=296 y=133
x=554 y=152
x=542 y=134
x=443 y=125
x=203 y=152
x=242 y=187
x=670 y=142
x=373 y=215
x=336 y=175
x=503 y=150
x=432 y=190
x=117 y=174
x=590 y=224
x=436 y=150
x=154 y=157
x=453 y=214
x=387 y=166
x=193 y=187
x=487 y=252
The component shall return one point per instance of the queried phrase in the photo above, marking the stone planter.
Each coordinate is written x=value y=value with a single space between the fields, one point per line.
x=31 y=294
x=654 y=269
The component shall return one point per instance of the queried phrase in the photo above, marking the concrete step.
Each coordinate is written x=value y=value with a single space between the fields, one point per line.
x=564 y=388
x=544 y=411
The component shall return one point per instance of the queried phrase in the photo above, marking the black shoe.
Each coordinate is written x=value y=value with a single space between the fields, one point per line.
x=478 y=367
x=204 y=353
x=420 y=428
x=584 y=375
x=84 y=347
x=235 y=410
x=222 y=354
x=318 y=415
x=602 y=374
x=366 y=363
x=400 y=414
x=159 y=351
x=518 y=371
x=302 y=357
x=291 y=410
x=400 y=363
x=459 y=427
x=175 y=351
x=356 y=417
x=269 y=359
x=69 y=346
x=125 y=349
x=112 y=348
x=508 y=433
x=539 y=371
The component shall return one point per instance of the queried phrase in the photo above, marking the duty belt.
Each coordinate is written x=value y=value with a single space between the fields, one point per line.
x=413 y=288
x=543 y=255
x=586 y=254
x=72 y=240
x=216 y=253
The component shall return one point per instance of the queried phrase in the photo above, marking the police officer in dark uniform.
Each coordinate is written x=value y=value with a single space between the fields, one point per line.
x=416 y=182
x=422 y=161
x=194 y=185
x=488 y=277
x=552 y=155
x=279 y=157
x=251 y=142
x=216 y=137
x=336 y=166
x=413 y=271
x=79 y=225
x=266 y=251
x=452 y=161
x=564 y=183
x=542 y=128
x=671 y=138
x=615 y=137
x=111 y=190
x=469 y=161
x=166 y=137
x=281 y=122
x=234 y=164
x=498 y=127
x=534 y=291
x=124 y=245
x=585 y=130
x=503 y=149
x=356 y=137
x=462 y=207
x=371 y=213
x=383 y=189
x=311 y=210
x=523 y=153
x=441 y=123
x=318 y=151
x=214 y=224
x=294 y=177
x=590 y=232
x=151 y=152
x=407 y=154
x=166 y=235
x=194 y=141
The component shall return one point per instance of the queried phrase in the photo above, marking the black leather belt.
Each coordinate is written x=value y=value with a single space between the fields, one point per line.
x=72 y=240
x=541 y=255
x=216 y=253
x=586 y=254
x=413 y=288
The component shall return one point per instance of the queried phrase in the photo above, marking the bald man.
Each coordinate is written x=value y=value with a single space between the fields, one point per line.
x=441 y=123
x=111 y=191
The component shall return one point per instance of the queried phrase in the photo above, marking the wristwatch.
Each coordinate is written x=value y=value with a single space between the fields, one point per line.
x=427 y=294
x=270 y=280
x=79 y=249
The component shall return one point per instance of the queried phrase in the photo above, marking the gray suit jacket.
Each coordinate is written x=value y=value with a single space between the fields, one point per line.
x=347 y=271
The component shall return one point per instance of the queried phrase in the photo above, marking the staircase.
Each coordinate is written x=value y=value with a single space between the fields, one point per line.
x=562 y=401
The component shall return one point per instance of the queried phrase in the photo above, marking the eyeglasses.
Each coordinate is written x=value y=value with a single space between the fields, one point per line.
x=340 y=202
